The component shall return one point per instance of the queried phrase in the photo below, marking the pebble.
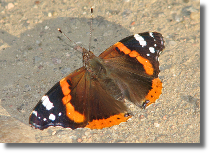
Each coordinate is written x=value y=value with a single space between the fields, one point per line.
x=54 y=13
x=177 y=17
x=10 y=6
x=38 y=42
x=54 y=132
x=173 y=43
x=156 y=124
x=49 y=14
x=164 y=117
x=37 y=2
x=46 y=27
x=133 y=23
x=36 y=59
x=56 y=60
x=142 y=117
x=195 y=16
x=79 y=140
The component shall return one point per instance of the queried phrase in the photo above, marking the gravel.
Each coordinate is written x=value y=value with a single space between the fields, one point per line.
x=34 y=56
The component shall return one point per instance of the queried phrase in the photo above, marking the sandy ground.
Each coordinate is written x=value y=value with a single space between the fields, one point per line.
x=34 y=56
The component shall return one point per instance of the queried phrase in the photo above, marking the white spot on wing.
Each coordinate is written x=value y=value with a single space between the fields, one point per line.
x=35 y=113
x=59 y=114
x=161 y=41
x=148 y=54
x=44 y=119
x=140 y=39
x=152 y=49
x=47 y=103
x=151 y=34
x=52 y=117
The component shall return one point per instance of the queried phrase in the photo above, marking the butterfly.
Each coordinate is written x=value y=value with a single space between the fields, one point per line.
x=93 y=96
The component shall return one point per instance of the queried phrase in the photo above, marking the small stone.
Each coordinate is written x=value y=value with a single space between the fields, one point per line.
x=10 y=6
x=54 y=13
x=87 y=133
x=177 y=17
x=56 y=60
x=46 y=27
x=36 y=59
x=37 y=2
x=156 y=124
x=79 y=140
x=49 y=14
x=173 y=127
x=172 y=43
x=54 y=132
x=142 y=117
x=195 y=16
x=38 y=42
x=164 y=117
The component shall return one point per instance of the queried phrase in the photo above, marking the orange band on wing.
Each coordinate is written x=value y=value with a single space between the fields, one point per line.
x=147 y=65
x=145 y=62
x=65 y=87
x=70 y=111
x=134 y=54
x=123 y=48
x=155 y=92
x=108 y=122
x=74 y=115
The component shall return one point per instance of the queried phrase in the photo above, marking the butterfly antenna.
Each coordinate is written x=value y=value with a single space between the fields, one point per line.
x=91 y=23
x=66 y=36
x=69 y=38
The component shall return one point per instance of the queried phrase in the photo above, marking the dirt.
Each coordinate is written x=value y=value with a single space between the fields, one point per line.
x=34 y=56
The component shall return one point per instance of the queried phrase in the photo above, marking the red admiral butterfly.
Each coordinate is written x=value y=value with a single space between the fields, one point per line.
x=93 y=95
